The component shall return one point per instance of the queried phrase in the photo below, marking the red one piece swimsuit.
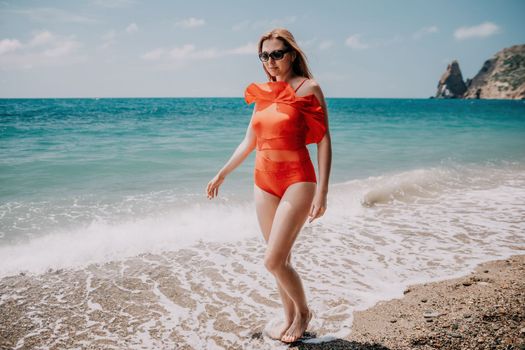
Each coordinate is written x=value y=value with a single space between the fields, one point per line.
x=284 y=124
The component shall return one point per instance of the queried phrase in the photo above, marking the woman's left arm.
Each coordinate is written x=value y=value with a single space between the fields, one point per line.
x=324 y=161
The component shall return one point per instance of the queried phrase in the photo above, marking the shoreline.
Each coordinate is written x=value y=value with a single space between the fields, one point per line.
x=483 y=309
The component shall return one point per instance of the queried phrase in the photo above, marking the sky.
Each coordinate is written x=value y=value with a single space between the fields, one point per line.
x=138 y=48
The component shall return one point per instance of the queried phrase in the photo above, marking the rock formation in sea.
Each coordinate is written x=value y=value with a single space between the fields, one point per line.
x=500 y=77
x=451 y=84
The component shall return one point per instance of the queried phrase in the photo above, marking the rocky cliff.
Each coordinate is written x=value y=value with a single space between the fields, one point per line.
x=500 y=77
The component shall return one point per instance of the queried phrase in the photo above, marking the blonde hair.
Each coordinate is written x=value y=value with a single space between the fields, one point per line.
x=299 y=65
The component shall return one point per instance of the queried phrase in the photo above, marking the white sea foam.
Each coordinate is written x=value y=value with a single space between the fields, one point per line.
x=101 y=242
x=461 y=205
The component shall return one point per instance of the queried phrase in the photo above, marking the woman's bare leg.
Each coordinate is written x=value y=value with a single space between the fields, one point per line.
x=289 y=218
x=266 y=206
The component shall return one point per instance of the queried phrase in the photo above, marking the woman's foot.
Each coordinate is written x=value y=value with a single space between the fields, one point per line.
x=276 y=330
x=297 y=328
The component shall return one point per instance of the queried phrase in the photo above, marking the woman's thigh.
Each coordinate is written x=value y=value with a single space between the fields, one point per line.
x=290 y=217
x=265 y=206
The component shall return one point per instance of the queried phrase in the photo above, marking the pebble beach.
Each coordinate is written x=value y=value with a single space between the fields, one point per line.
x=482 y=310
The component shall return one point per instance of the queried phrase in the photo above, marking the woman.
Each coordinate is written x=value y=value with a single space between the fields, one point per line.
x=290 y=112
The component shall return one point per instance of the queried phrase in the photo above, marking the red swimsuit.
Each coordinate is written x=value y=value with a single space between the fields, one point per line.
x=284 y=124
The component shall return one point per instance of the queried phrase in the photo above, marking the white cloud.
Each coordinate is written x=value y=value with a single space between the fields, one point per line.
x=132 y=28
x=191 y=22
x=153 y=55
x=177 y=56
x=110 y=37
x=425 y=31
x=7 y=45
x=43 y=49
x=248 y=49
x=354 y=42
x=315 y=43
x=483 y=30
x=182 y=52
x=325 y=44
x=42 y=38
x=62 y=48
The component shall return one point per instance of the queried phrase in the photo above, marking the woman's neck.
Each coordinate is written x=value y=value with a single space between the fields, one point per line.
x=288 y=77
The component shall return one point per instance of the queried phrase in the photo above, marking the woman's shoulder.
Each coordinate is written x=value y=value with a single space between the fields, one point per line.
x=312 y=87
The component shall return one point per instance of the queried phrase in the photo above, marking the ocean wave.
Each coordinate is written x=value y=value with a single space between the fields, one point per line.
x=157 y=222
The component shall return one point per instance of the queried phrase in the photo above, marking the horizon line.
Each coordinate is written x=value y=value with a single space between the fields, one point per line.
x=192 y=97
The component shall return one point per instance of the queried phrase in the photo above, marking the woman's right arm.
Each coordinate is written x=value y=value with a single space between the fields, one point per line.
x=243 y=150
x=239 y=155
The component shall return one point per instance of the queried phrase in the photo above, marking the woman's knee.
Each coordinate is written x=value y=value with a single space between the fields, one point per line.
x=275 y=263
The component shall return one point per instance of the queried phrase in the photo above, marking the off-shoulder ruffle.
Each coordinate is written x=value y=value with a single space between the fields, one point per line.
x=315 y=119
x=273 y=91
x=282 y=92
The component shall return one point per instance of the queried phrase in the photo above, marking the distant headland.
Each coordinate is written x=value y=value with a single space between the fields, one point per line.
x=500 y=77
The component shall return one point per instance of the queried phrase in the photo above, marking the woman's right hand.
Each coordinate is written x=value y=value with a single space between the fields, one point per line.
x=213 y=186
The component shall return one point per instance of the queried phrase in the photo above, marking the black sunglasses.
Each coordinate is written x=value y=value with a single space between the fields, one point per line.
x=276 y=55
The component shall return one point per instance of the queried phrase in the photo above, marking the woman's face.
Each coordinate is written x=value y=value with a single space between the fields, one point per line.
x=277 y=67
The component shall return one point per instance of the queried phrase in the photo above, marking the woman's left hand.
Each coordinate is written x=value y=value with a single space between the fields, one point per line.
x=318 y=206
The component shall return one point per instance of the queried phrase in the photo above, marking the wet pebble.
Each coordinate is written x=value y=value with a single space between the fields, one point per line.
x=430 y=314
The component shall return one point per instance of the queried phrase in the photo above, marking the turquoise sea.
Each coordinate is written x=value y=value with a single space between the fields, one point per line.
x=420 y=189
